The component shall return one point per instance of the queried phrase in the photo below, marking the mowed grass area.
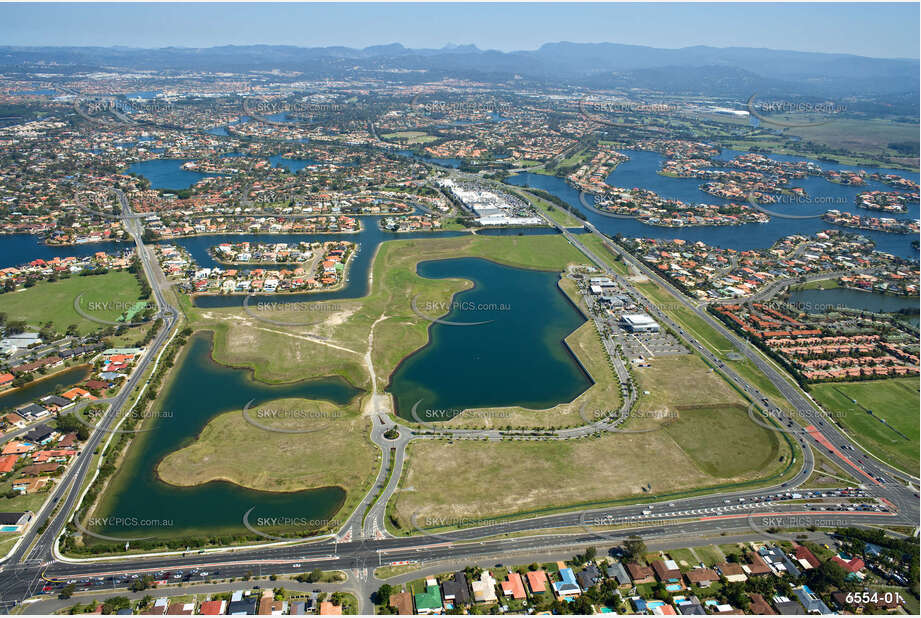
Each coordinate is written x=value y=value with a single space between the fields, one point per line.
x=410 y=137
x=895 y=400
x=104 y=297
x=334 y=450
x=707 y=447
x=733 y=448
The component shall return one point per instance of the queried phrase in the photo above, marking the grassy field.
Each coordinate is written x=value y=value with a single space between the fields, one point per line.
x=821 y=284
x=557 y=214
x=708 y=336
x=104 y=296
x=741 y=449
x=864 y=135
x=276 y=461
x=411 y=137
x=681 y=381
x=894 y=400
x=597 y=246
x=489 y=479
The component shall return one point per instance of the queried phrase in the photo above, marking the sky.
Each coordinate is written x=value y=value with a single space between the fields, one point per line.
x=876 y=30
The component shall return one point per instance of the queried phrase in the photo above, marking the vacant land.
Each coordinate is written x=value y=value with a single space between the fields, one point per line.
x=479 y=480
x=334 y=450
x=730 y=447
x=680 y=381
x=334 y=340
x=895 y=401
x=473 y=480
x=104 y=297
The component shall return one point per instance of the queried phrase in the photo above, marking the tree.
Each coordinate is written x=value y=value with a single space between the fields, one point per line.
x=382 y=596
x=634 y=548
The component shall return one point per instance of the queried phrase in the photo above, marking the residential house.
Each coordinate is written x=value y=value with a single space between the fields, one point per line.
x=732 y=571
x=429 y=600
x=759 y=606
x=513 y=586
x=640 y=574
x=589 y=576
x=757 y=566
x=701 y=577
x=212 y=608
x=537 y=581
x=41 y=434
x=667 y=571
x=786 y=607
x=7 y=463
x=811 y=601
x=402 y=602
x=806 y=558
x=456 y=591
x=484 y=589
x=327 y=608
x=567 y=586
x=617 y=572
x=180 y=609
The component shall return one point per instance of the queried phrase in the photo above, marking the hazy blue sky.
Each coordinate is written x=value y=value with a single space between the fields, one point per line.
x=879 y=30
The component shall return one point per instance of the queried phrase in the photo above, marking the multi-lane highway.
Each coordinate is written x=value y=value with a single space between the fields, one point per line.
x=362 y=545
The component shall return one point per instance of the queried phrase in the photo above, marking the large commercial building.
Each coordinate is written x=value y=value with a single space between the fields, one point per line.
x=639 y=323
x=492 y=207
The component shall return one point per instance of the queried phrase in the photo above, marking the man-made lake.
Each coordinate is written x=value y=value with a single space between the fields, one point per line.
x=202 y=389
x=47 y=386
x=517 y=358
x=817 y=301
x=167 y=173
x=292 y=165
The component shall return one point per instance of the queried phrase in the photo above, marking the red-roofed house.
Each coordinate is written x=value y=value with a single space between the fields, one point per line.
x=212 y=608
x=853 y=565
x=804 y=555
x=7 y=462
x=537 y=581
x=513 y=586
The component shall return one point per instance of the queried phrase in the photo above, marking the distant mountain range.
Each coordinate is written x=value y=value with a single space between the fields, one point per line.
x=712 y=71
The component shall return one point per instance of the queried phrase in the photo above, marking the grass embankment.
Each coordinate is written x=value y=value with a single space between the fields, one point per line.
x=596 y=245
x=557 y=214
x=896 y=401
x=105 y=297
x=539 y=476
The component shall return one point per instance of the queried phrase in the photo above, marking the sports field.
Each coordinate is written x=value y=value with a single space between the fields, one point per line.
x=105 y=297
x=896 y=401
